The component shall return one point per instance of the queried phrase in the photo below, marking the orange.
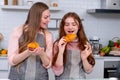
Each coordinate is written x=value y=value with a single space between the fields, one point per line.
x=102 y=53
x=32 y=45
x=4 y=51
x=70 y=37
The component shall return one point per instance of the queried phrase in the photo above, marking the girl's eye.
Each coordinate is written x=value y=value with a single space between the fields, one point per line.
x=45 y=17
x=74 y=24
x=66 y=24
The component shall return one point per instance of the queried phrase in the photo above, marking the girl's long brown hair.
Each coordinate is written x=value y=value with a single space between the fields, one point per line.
x=82 y=39
x=32 y=25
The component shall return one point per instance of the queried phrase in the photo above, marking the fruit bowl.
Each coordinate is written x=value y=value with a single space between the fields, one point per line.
x=3 y=52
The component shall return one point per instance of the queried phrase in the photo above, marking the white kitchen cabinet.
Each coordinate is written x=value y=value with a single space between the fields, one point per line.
x=98 y=70
x=4 y=68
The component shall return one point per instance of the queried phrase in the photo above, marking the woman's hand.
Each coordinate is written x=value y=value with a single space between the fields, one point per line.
x=37 y=51
x=61 y=44
x=86 y=52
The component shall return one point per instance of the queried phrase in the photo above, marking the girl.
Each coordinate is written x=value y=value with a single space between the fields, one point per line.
x=72 y=59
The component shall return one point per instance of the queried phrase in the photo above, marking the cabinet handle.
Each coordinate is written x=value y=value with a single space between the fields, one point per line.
x=112 y=71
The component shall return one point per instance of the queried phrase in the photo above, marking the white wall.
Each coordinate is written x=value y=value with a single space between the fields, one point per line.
x=105 y=26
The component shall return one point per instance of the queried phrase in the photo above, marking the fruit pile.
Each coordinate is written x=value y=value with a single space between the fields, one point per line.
x=105 y=50
x=111 y=44
x=70 y=37
x=31 y=46
x=3 y=52
x=114 y=44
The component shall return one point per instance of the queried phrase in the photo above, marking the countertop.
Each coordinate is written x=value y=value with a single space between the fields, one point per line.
x=107 y=58
x=3 y=57
x=111 y=58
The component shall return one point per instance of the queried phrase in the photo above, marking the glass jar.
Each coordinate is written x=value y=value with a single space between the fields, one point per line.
x=95 y=46
x=54 y=3
x=15 y=2
x=5 y=2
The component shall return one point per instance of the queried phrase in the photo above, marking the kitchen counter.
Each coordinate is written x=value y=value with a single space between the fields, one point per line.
x=107 y=57
x=3 y=57
x=4 y=67
x=97 y=72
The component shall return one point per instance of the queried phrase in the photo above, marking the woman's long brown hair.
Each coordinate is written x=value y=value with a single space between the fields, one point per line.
x=82 y=39
x=32 y=25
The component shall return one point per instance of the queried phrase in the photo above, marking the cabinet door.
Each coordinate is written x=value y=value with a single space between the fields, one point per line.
x=98 y=70
x=4 y=67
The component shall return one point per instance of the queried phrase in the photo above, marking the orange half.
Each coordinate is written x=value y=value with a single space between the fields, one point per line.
x=70 y=37
x=33 y=45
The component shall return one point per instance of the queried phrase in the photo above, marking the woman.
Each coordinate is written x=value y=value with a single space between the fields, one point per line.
x=72 y=59
x=29 y=64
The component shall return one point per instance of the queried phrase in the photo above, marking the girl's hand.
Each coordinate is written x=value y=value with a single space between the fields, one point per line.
x=61 y=44
x=85 y=53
